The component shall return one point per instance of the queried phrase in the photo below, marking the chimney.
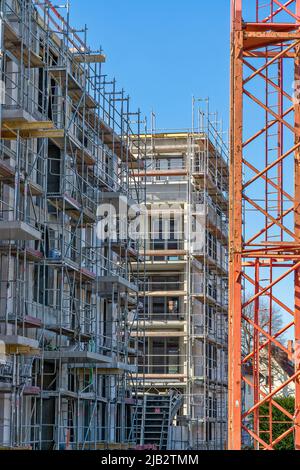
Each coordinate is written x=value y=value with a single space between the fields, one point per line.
x=290 y=346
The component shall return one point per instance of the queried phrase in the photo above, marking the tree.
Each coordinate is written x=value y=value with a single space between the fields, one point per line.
x=264 y=317
x=280 y=423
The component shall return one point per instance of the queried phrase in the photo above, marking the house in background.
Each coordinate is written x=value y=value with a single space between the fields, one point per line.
x=282 y=369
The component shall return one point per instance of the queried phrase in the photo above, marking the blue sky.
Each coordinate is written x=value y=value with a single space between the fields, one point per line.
x=163 y=52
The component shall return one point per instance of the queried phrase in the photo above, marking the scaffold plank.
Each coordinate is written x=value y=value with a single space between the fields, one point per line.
x=90 y=58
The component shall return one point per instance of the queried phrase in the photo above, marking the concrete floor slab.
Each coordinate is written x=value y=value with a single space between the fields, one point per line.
x=16 y=230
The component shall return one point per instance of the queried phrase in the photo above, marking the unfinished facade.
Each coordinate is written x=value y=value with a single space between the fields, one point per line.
x=68 y=300
x=185 y=320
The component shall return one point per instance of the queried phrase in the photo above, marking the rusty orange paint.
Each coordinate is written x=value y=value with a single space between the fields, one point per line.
x=265 y=257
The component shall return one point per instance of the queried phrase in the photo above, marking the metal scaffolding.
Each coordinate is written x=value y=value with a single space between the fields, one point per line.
x=68 y=300
x=185 y=315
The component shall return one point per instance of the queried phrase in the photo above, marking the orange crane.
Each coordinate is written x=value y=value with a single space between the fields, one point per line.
x=264 y=217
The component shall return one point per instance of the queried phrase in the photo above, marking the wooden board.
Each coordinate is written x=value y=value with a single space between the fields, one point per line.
x=17 y=124
x=90 y=58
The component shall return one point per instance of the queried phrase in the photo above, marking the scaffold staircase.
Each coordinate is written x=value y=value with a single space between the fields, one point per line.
x=154 y=417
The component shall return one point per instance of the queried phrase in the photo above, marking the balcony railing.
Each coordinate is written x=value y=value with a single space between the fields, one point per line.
x=164 y=317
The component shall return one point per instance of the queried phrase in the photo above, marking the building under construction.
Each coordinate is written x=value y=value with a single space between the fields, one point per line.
x=185 y=315
x=68 y=300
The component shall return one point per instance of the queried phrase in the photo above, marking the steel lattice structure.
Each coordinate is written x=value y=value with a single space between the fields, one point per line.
x=264 y=214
